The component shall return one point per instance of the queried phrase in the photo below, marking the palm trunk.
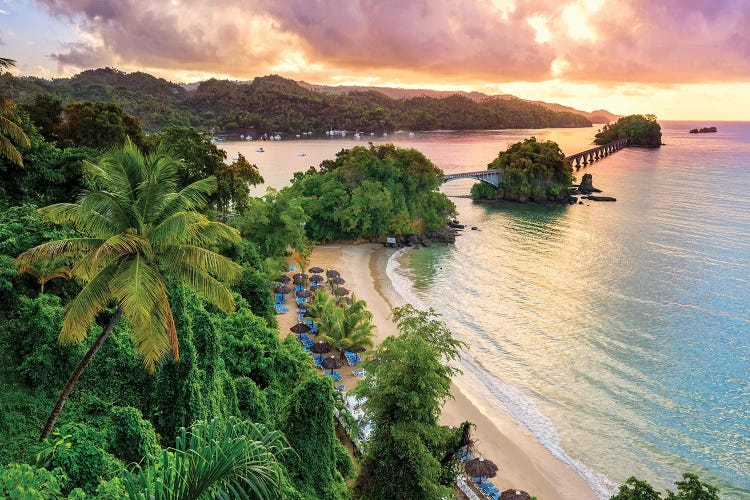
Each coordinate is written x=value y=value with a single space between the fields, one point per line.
x=77 y=374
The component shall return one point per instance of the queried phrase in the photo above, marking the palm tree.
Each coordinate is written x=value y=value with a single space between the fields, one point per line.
x=10 y=132
x=346 y=326
x=140 y=231
x=214 y=460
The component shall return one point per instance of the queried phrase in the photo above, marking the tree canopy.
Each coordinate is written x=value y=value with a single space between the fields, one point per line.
x=640 y=130
x=532 y=170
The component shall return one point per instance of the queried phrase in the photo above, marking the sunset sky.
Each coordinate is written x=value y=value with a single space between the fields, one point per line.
x=679 y=59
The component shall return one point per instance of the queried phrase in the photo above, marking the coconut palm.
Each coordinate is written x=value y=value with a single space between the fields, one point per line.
x=347 y=326
x=11 y=134
x=214 y=460
x=139 y=232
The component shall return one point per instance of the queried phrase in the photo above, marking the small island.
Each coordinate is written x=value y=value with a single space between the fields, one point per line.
x=704 y=130
x=640 y=130
x=532 y=171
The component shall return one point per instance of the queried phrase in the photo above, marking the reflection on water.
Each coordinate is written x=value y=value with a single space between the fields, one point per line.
x=617 y=332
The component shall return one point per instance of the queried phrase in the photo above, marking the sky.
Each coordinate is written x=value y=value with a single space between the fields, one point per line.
x=678 y=59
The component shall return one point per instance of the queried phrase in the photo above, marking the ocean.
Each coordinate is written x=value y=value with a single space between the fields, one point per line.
x=617 y=333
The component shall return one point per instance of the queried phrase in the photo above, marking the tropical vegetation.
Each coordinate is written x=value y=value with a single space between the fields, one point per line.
x=11 y=134
x=272 y=104
x=371 y=192
x=127 y=266
x=531 y=170
x=640 y=130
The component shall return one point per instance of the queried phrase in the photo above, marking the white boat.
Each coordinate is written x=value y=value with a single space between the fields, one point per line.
x=248 y=138
x=235 y=158
x=301 y=154
x=372 y=133
x=260 y=150
x=411 y=134
x=356 y=136
x=297 y=136
x=385 y=134
x=277 y=137
x=242 y=136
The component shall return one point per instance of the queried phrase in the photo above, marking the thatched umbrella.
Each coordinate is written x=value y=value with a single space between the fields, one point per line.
x=321 y=348
x=282 y=289
x=479 y=467
x=301 y=276
x=332 y=363
x=300 y=328
x=332 y=273
x=283 y=279
x=338 y=280
x=340 y=292
x=316 y=270
x=300 y=281
x=316 y=278
x=514 y=495
x=304 y=294
x=315 y=288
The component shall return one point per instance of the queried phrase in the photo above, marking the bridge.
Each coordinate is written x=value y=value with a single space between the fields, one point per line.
x=495 y=176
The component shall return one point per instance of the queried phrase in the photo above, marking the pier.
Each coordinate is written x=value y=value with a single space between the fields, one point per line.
x=495 y=176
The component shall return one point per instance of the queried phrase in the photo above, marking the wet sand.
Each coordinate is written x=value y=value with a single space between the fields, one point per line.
x=522 y=461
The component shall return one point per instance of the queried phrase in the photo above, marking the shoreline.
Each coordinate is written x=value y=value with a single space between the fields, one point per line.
x=523 y=462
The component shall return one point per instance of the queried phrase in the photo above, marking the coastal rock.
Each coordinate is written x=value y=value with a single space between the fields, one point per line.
x=412 y=240
x=445 y=234
x=587 y=185
x=600 y=198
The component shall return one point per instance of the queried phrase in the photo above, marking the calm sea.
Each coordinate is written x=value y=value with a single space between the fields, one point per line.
x=617 y=333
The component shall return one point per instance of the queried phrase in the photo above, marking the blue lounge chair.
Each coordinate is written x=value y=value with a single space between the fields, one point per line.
x=339 y=388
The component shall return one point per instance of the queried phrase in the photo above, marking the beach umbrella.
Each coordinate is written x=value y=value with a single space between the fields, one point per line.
x=316 y=270
x=479 y=467
x=340 y=292
x=338 y=280
x=321 y=348
x=282 y=289
x=332 y=273
x=300 y=281
x=283 y=279
x=304 y=294
x=514 y=495
x=300 y=328
x=301 y=276
x=316 y=278
x=332 y=364
x=315 y=288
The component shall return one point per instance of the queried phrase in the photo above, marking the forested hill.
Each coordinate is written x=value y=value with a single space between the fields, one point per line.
x=275 y=104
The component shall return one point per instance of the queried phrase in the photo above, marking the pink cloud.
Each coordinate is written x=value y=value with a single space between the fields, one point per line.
x=672 y=41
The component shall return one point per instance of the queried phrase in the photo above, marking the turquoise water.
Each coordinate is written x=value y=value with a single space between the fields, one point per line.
x=618 y=333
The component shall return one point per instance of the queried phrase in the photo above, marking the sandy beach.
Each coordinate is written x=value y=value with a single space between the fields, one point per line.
x=523 y=462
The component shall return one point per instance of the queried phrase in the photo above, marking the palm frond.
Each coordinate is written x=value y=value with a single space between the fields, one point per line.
x=9 y=151
x=206 y=285
x=83 y=308
x=192 y=197
x=224 y=269
x=89 y=222
x=214 y=460
x=123 y=245
x=71 y=248
x=14 y=131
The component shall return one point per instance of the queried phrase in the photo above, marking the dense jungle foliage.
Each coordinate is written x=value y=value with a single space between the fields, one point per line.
x=640 y=130
x=370 y=192
x=532 y=170
x=274 y=104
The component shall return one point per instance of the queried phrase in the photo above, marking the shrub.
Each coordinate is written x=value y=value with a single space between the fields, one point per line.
x=22 y=481
x=251 y=400
x=79 y=450
x=133 y=438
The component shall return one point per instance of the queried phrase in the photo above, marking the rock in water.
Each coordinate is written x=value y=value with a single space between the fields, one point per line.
x=587 y=185
x=600 y=198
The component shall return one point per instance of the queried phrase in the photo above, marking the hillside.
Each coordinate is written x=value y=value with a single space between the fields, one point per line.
x=272 y=104
x=596 y=116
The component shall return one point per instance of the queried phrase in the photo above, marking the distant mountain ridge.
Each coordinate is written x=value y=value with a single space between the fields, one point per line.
x=596 y=116
x=273 y=104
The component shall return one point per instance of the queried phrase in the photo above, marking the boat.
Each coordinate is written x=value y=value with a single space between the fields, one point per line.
x=297 y=136
x=411 y=134
x=277 y=137
x=385 y=134
x=260 y=150
x=301 y=154
x=356 y=136
x=248 y=138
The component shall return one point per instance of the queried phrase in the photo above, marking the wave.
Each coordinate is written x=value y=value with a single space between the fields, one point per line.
x=520 y=406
